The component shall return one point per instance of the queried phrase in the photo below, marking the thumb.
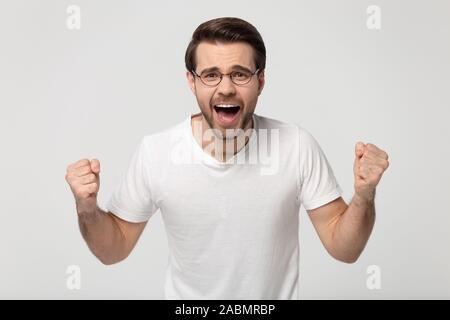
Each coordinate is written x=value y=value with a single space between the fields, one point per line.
x=95 y=166
x=359 y=149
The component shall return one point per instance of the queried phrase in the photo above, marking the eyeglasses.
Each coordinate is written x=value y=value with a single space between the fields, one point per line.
x=213 y=78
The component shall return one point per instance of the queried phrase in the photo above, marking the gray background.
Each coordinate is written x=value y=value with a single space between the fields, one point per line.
x=94 y=92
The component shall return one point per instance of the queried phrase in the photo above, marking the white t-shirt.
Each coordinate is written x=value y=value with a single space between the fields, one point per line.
x=232 y=227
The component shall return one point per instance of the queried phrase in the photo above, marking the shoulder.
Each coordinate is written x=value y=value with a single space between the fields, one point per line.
x=164 y=139
x=288 y=130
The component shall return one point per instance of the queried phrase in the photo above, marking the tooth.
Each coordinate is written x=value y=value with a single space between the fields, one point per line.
x=227 y=105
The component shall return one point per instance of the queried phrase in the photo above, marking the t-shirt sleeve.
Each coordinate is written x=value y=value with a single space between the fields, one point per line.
x=318 y=185
x=132 y=199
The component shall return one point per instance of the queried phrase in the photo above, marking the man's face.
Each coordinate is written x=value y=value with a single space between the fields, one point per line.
x=226 y=57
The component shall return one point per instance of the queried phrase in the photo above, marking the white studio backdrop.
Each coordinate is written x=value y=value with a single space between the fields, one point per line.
x=93 y=92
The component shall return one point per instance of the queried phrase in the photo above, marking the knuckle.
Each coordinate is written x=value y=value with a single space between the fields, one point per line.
x=81 y=171
x=85 y=170
x=83 y=161
x=385 y=164
x=86 y=179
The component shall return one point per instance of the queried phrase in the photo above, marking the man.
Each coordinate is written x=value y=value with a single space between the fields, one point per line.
x=232 y=227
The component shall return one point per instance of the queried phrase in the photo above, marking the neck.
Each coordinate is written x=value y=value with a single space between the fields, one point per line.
x=221 y=150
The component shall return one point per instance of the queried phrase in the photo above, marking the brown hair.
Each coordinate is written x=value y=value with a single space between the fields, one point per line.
x=226 y=29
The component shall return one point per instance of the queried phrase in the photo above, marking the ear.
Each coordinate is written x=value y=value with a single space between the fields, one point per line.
x=191 y=81
x=261 y=81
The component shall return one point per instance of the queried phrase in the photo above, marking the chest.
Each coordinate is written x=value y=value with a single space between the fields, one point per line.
x=192 y=196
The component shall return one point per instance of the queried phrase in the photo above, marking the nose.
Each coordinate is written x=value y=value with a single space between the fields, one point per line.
x=226 y=87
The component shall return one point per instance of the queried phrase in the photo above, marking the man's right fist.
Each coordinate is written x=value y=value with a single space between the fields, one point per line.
x=83 y=177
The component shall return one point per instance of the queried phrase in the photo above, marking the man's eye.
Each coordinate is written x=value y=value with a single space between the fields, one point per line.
x=210 y=75
x=240 y=75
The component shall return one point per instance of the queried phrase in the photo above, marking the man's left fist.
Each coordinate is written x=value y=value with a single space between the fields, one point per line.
x=370 y=164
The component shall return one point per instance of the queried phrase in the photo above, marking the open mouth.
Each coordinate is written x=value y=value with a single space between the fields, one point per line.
x=227 y=114
x=227 y=109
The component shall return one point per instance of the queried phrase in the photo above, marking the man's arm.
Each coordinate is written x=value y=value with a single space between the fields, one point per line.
x=345 y=229
x=110 y=238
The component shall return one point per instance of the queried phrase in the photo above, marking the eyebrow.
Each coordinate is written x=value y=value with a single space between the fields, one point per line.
x=234 y=67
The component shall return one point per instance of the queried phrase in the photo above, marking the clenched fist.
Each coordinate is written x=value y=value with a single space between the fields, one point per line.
x=84 y=181
x=370 y=164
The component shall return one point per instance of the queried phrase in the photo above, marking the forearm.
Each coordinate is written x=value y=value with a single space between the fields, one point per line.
x=350 y=230
x=353 y=228
x=102 y=235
